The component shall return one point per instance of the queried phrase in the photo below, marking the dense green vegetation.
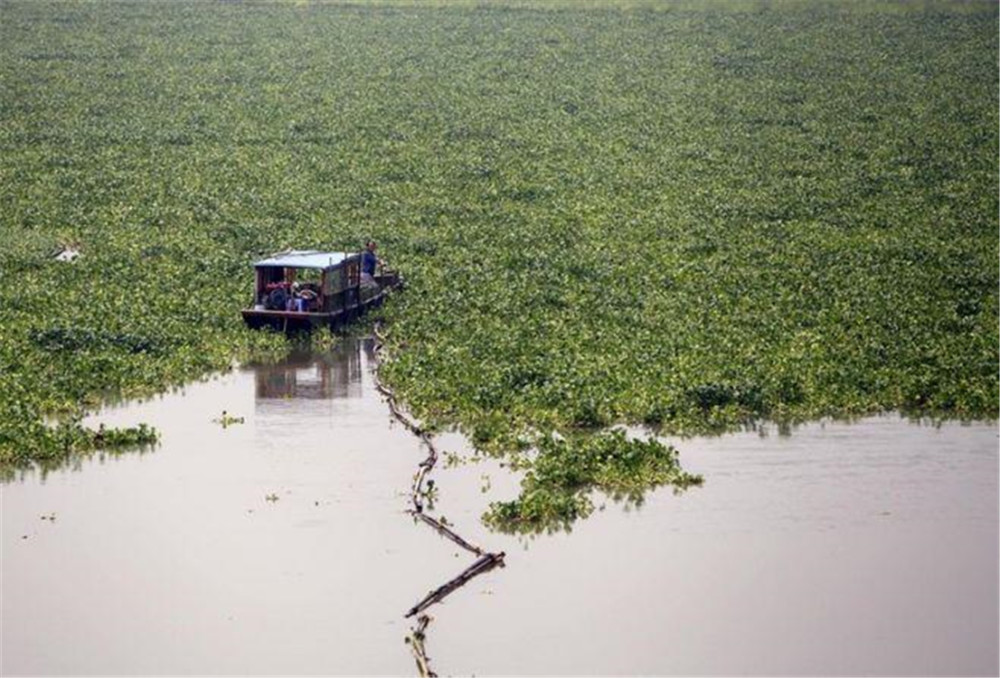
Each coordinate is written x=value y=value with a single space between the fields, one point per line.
x=688 y=216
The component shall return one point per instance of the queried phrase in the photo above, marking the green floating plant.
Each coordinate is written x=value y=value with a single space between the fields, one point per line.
x=556 y=490
x=52 y=447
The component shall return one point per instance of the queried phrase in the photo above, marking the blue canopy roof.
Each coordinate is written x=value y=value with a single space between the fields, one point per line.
x=305 y=259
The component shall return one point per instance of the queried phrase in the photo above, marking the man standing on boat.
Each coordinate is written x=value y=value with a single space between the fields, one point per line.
x=369 y=261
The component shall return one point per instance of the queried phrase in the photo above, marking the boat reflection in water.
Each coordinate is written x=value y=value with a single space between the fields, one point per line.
x=308 y=375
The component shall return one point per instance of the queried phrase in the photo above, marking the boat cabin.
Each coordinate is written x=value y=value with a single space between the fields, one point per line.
x=303 y=289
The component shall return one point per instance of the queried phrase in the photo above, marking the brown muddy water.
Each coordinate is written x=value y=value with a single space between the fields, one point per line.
x=281 y=546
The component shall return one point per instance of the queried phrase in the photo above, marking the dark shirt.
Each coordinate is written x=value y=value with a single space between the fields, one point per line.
x=368 y=261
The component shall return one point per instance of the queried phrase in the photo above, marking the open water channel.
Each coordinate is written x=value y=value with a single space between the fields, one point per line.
x=281 y=545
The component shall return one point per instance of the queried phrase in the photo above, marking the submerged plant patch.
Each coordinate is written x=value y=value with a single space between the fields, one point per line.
x=689 y=216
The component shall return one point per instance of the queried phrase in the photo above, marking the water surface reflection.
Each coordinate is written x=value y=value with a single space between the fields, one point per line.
x=309 y=375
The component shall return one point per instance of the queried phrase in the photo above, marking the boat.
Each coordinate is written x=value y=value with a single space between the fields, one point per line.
x=305 y=289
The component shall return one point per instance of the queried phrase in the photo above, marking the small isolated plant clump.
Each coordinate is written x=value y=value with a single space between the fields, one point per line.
x=557 y=487
x=51 y=446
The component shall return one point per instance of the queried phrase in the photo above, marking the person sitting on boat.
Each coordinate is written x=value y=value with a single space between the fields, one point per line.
x=299 y=298
x=307 y=296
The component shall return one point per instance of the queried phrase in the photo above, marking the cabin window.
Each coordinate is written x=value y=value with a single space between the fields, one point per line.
x=335 y=280
x=310 y=276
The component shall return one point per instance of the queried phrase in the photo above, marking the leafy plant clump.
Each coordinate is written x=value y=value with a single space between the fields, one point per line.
x=51 y=446
x=556 y=490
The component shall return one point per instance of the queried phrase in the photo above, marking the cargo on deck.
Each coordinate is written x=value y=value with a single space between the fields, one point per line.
x=304 y=289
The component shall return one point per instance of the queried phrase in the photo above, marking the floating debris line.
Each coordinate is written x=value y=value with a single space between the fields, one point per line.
x=419 y=492
x=485 y=563
x=416 y=642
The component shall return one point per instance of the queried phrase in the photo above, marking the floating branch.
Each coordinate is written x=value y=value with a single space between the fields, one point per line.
x=447 y=532
x=417 y=492
x=396 y=412
x=416 y=641
x=485 y=563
